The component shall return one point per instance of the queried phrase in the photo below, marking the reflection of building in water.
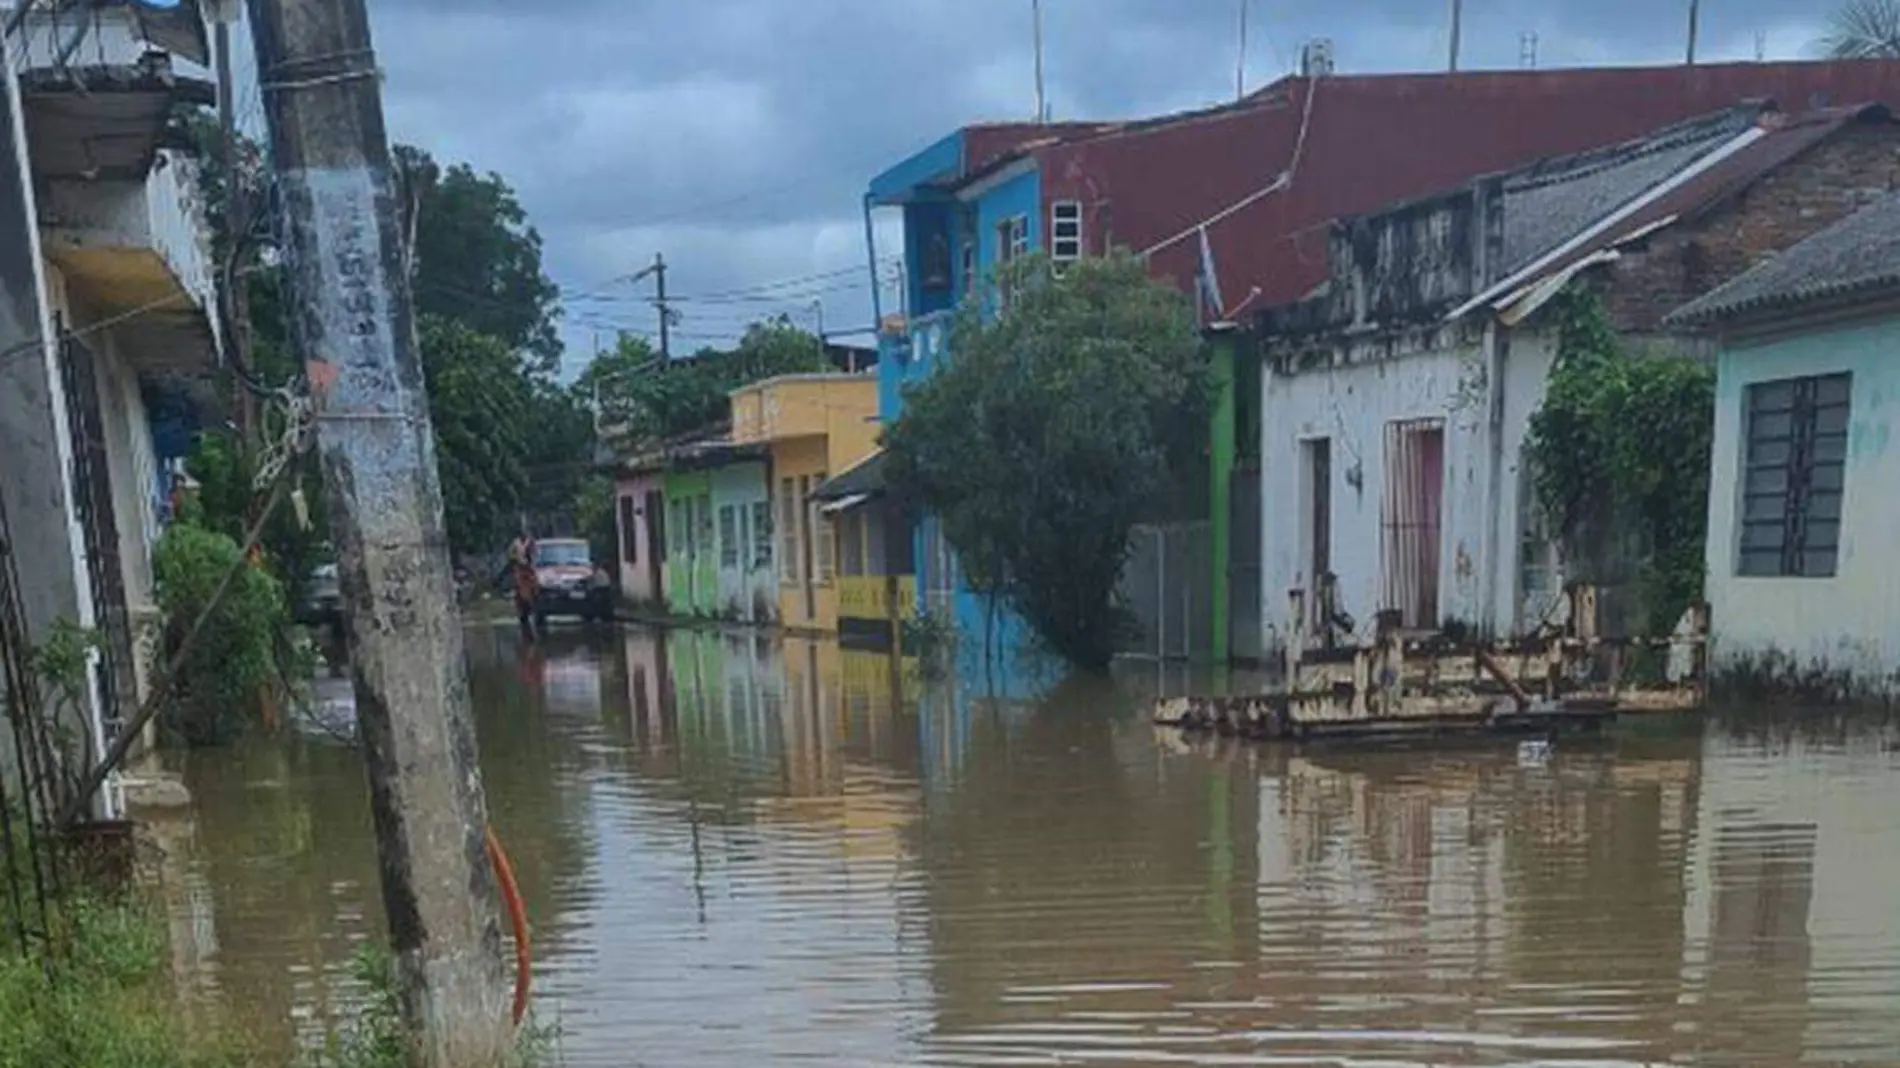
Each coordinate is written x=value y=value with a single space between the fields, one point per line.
x=649 y=689
x=1422 y=868
x=1793 y=914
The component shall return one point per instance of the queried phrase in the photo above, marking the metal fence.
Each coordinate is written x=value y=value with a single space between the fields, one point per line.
x=1168 y=588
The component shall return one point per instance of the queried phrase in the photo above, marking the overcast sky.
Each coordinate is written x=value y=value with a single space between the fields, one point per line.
x=737 y=136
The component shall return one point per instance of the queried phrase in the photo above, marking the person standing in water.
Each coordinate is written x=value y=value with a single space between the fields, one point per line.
x=526 y=585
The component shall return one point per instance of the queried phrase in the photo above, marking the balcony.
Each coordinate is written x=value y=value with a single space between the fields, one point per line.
x=119 y=210
x=804 y=406
x=140 y=247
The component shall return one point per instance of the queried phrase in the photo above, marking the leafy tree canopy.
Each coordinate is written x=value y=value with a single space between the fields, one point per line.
x=1620 y=450
x=1864 y=29
x=476 y=259
x=645 y=398
x=1050 y=432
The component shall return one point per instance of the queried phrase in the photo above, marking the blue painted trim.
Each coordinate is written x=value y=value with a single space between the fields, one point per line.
x=941 y=161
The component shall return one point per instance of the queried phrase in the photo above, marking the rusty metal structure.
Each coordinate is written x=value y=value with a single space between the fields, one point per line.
x=1404 y=681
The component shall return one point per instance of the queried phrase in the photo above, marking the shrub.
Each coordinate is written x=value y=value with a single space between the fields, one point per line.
x=219 y=691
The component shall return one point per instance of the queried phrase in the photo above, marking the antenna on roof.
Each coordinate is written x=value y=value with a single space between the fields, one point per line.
x=1042 y=104
x=1527 y=49
x=1761 y=46
x=1457 y=29
x=1240 y=65
x=1695 y=12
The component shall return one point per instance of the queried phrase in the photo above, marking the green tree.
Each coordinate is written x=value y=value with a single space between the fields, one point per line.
x=475 y=258
x=645 y=398
x=483 y=410
x=1050 y=433
x=1620 y=455
x=1864 y=29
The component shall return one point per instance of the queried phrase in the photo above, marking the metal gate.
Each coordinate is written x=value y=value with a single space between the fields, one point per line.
x=1167 y=587
x=1414 y=483
x=92 y=497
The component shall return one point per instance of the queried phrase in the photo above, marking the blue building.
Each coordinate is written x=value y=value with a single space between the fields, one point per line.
x=971 y=202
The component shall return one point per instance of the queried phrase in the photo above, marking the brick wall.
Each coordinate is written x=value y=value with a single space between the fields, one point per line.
x=1829 y=181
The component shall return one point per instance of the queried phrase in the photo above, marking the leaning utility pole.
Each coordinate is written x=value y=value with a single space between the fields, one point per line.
x=232 y=292
x=352 y=322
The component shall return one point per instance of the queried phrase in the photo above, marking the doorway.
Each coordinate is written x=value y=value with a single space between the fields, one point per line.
x=655 y=508
x=1414 y=489
x=1316 y=497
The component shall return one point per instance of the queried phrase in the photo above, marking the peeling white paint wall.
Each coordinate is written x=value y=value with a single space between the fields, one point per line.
x=1847 y=622
x=1352 y=405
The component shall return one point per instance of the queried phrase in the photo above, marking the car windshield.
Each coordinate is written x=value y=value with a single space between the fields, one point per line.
x=561 y=554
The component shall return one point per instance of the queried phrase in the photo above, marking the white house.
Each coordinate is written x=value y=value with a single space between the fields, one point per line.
x=1396 y=402
x=107 y=299
x=1804 y=497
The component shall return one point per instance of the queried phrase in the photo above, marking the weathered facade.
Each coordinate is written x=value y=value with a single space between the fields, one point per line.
x=1804 y=491
x=1395 y=404
x=109 y=298
x=810 y=425
x=1232 y=203
x=640 y=523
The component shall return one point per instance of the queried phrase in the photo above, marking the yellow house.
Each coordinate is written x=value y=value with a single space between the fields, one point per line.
x=814 y=425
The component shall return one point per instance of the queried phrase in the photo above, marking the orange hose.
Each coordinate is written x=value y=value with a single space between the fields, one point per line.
x=518 y=918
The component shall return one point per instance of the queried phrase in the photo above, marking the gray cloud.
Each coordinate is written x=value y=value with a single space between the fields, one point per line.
x=737 y=135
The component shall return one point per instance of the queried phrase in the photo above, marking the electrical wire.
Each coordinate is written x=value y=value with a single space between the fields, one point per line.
x=1281 y=181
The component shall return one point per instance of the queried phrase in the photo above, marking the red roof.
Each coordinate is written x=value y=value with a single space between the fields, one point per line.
x=1374 y=139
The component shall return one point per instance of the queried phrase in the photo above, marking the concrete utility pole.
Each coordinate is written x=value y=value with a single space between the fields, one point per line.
x=231 y=286
x=666 y=311
x=353 y=325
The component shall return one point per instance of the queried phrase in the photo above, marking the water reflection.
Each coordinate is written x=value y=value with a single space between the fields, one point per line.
x=739 y=851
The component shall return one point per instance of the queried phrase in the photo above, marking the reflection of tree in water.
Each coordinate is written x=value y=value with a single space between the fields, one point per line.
x=1057 y=860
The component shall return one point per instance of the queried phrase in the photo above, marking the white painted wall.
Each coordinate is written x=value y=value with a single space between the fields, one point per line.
x=1352 y=405
x=1847 y=622
x=162 y=213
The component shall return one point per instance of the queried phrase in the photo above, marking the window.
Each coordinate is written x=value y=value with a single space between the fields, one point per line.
x=703 y=530
x=823 y=546
x=1012 y=239
x=1793 y=467
x=629 y=542
x=762 y=534
x=1065 y=231
x=728 y=536
x=850 y=533
x=788 y=531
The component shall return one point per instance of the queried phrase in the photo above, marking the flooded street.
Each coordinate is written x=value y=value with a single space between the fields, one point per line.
x=740 y=853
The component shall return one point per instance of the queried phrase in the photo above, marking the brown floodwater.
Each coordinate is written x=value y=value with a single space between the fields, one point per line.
x=739 y=853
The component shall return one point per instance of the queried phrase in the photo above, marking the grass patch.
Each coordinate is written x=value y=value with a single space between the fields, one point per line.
x=373 y=1038
x=100 y=997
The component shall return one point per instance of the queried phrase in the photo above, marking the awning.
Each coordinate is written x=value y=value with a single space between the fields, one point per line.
x=865 y=478
x=845 y=503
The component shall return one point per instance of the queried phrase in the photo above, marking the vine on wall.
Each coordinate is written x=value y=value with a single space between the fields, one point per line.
x=1620 y=451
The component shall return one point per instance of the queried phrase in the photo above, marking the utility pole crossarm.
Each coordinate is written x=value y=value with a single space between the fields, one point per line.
x=353 y=326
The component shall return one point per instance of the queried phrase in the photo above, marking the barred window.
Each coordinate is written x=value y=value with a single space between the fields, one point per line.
x=1793 y=473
